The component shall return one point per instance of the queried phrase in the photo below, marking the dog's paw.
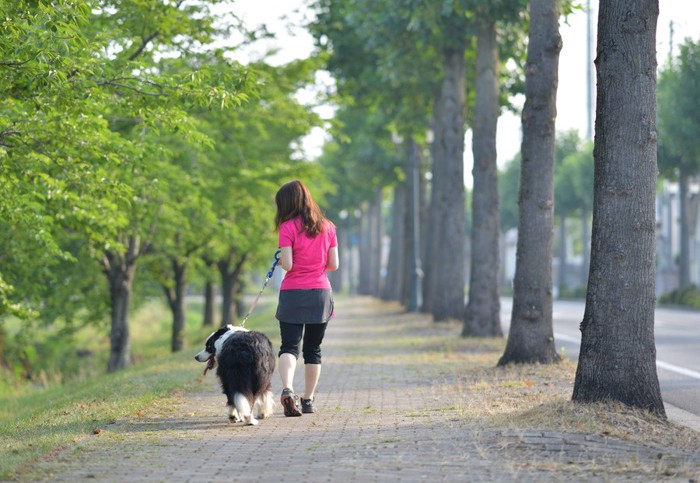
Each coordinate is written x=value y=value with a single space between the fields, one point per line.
x=233 y=416
x=252 y=422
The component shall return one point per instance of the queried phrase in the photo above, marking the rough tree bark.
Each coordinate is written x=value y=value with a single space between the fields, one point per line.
x=433 y=240
x=617 y=360
x=482 y=313
x=531 y=336
x=370 y=246
x=364 y=265
x=448 y=278
x=175 y=296
x=120 y=269
x=376 y=228
x=209 y=303
x=230 y=270
x=394 y=270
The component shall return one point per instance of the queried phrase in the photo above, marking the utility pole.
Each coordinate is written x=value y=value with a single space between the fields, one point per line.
x=589 y=74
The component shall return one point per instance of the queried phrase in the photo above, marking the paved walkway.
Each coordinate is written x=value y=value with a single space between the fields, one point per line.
x=384 y=415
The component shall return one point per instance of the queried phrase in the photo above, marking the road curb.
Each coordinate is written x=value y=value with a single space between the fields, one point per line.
x=682 y=417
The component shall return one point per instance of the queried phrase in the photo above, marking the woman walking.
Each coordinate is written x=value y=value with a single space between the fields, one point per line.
x=309 y=247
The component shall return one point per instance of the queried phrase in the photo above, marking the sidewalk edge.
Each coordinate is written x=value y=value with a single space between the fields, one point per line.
x=682 y=417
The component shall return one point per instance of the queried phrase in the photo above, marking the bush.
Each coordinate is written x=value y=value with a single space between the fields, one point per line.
x=573 y=293
x=686 y=296
x=53 y=354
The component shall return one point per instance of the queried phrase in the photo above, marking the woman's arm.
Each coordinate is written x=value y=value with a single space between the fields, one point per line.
x=333 y=260
x=286 y=258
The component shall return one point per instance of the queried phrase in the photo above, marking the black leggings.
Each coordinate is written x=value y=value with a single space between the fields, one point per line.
x=313 y=336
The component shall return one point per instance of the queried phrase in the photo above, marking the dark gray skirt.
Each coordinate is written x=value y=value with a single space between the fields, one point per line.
x=312 y=306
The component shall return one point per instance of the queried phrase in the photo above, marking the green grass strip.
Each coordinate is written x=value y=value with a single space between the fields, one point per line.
x=37 y=422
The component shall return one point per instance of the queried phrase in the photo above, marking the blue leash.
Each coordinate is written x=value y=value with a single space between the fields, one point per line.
x=267 y=279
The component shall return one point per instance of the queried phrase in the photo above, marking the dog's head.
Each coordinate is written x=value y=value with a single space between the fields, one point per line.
x=213 y=345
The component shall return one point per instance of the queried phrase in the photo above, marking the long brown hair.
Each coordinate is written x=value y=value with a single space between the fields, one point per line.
x=294 y=199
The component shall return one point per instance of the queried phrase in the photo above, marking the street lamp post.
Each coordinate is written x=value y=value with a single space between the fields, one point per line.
x=415 y=301
x=415 y=274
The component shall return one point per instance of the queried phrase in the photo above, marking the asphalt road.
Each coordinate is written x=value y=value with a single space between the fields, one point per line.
x=677 y=335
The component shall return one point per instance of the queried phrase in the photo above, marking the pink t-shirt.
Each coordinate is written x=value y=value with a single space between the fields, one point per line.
x=309 y=255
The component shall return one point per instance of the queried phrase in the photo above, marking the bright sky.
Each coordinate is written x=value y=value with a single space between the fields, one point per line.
x=284 y=17
x=571 y=94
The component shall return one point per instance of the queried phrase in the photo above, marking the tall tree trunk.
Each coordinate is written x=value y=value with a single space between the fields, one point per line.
x=482 y=314
x=209 y=303
x=448 y=297
x=433 y=240
x=394 y=270
x=230 y=270
x=119 y=337
x=684 y=261
x=617 y=360
x=562 y=255
x=375 y=242
x=352 y=263
x=531 y=336
x=120 y=269
x=176 y=301
x=365 y=262
x=370 y=247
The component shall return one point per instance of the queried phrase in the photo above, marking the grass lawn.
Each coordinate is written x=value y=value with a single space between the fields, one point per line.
x=38 y=420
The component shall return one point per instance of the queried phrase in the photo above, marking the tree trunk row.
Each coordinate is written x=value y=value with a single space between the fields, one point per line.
x=482 y=313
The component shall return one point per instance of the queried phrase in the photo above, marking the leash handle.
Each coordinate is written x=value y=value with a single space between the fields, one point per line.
x=274 y=264
x=267 y=279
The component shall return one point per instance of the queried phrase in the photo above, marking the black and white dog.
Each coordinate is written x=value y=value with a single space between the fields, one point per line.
x=246 y=363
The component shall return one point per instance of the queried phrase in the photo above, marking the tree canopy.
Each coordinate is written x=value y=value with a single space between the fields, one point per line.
x=127 y=132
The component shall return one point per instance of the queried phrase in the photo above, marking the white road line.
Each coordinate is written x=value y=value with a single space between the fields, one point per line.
x=678 y=369
x=566 y=338
x=660 y=364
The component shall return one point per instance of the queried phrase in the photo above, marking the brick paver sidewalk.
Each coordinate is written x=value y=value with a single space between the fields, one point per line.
x=379 y=419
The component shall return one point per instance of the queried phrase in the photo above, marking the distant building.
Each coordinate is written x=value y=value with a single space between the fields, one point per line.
x=668 y=240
